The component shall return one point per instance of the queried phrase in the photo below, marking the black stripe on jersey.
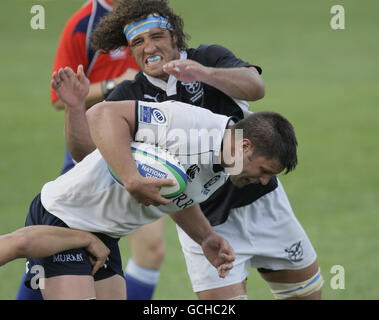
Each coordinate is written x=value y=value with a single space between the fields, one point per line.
x=217 y=207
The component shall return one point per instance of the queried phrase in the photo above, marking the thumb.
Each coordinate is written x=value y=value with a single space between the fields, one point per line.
x=80 y=72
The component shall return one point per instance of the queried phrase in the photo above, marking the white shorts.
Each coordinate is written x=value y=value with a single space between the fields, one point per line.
x=264 y=234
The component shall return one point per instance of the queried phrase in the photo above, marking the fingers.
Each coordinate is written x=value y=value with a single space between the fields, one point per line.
x=63 y=75
x=155 y=201
x=96 y=264
x=165 y=182
x=224 y=269
x=68 y=73
x=55 y=81
x=172 y=69
x=80 y=73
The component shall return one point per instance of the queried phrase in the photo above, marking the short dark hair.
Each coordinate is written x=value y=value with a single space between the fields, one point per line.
x=272 y=135
x=109 y=33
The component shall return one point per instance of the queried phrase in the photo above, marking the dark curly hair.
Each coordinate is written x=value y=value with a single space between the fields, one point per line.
x=109 y=35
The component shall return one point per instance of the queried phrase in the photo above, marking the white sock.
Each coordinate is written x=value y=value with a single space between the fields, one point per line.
x=146 y=275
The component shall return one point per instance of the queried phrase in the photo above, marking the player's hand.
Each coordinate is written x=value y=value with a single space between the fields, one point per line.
x=219 y=253
x=146 y=190
x=72 y=88
x=99 y=253
x=186 y=70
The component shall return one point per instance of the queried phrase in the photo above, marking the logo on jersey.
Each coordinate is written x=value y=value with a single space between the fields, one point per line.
x=158 y=115
x=151 y=115
x=295 y=252
x=117 y=54
x=192 y=87
x=210 y=183
x=192 y=171
x=183 y=201
x=147 y=96
x=195 y=89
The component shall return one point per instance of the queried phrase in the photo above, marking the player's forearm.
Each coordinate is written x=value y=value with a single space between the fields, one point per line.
x=77 y=134
x=41 y=241
x=194 y=223
x=239 y=83
x=111 y=126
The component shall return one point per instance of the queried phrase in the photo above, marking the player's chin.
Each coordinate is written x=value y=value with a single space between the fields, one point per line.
x=237 y=182
x=155 y=70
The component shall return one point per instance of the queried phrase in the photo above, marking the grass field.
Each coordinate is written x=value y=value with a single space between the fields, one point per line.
x=325 y=81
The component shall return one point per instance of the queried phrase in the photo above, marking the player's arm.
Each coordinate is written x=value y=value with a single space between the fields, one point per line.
x=112 y=126
x=72 y=89
x=72 y=52
x=42 y=241
x=216 y=249
x=240 y=83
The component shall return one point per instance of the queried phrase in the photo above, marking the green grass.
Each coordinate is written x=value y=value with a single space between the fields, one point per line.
x=325 y=81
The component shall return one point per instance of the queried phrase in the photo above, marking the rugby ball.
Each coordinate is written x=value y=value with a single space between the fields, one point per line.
x=154 y=161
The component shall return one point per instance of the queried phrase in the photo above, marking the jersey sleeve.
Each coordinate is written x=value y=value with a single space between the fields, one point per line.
x=219 y=57
x=71 y=52
x=172 y=123
x=152 y=122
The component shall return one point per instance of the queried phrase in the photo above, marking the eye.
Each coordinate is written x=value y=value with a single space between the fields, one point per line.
x=136 y=42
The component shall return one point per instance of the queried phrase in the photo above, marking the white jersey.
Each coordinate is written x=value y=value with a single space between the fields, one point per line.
x=87 y=197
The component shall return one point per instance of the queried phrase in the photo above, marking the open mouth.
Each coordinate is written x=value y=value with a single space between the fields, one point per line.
x=152 y=60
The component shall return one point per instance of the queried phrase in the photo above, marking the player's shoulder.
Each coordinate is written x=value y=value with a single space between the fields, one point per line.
x=208 y=54
x=207 y=49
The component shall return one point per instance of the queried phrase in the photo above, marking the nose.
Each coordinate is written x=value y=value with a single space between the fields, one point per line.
x=149 y=46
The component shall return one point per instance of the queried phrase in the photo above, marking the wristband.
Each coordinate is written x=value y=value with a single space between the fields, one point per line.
x=108 y=86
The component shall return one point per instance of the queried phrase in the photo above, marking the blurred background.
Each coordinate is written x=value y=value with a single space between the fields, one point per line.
x=325 y=81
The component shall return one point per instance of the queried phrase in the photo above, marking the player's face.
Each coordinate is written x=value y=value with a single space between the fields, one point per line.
x=256 y=169
x=152 y=50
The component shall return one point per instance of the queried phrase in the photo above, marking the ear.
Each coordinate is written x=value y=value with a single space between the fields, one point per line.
x=174 y=40
x=247 y=146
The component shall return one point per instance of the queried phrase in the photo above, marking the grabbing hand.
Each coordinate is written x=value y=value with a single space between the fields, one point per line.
x=72 y=88
x=186 y=70
x=146 y=190
x=98 y=253
x=219 y=253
